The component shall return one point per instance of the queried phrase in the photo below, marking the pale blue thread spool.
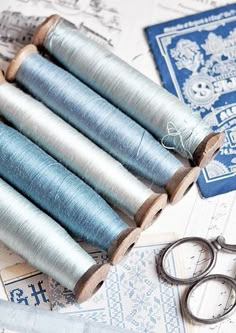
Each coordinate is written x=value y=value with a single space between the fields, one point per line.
x=63 y=195
x=97 y=168
x=101 y=122
x=46 y=245
x=170 y=120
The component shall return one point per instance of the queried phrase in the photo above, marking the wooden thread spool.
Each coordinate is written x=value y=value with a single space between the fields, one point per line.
x=205 y=151
x=208 y=148
x=88 y=282
x=91 y=282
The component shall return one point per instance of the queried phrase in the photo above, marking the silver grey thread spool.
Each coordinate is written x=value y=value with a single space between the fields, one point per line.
x=132 y=92
x=43 y=243
x=81 y=155
x=107 y=126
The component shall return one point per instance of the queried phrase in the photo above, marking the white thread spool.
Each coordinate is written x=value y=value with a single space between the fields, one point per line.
x=32 y=234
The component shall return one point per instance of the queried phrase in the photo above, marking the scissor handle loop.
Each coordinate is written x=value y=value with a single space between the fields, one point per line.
x=207 y=270
x=186 y=305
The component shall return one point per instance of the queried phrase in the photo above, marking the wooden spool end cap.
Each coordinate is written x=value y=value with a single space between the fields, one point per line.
x=208 y=148
x=122 y=245
x=43 y=29
x=91 y=282
x=17 y=61
x=2 y=78
x=151 y=208
x=181 y=182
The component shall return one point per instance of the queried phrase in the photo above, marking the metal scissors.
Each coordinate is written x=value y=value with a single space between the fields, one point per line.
x=213 y=247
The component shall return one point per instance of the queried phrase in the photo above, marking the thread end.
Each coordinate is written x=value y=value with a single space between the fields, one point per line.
x=122 y=245
x=150 y=210
x=43 y=29
x=208 y=148
x=17 y=61
x=181 y=183
x=91 y=282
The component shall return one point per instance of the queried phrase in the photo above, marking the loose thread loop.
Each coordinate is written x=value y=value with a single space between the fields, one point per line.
x=182 y=139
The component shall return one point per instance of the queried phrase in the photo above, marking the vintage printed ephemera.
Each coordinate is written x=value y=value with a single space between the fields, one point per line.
x=25 y=285
x=196 y=58
x=134 y=296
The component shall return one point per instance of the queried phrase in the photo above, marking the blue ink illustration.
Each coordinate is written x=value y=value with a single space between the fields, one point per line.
x=196 y=58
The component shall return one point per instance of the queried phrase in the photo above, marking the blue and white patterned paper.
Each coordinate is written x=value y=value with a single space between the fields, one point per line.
x=196 y=59
x=133 y=296
x=25 y=285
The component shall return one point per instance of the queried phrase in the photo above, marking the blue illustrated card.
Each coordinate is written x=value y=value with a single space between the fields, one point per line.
x=196 y=59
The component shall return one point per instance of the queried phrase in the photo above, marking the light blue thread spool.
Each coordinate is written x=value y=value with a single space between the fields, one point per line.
x=44 y=244
x=101 y=122
x=63 y=195
x=170 y=120
x=97 y=168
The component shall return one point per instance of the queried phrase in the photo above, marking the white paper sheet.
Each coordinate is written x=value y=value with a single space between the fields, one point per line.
x=119 y=25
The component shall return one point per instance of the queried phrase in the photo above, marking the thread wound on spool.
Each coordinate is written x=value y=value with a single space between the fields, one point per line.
x=76 y=52
x=126 y=141
x=98 y=169
x=43 y=243
x=55 y=189
x=119 y=135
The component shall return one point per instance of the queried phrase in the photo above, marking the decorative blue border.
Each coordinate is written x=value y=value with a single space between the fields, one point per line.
x=160 y=37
